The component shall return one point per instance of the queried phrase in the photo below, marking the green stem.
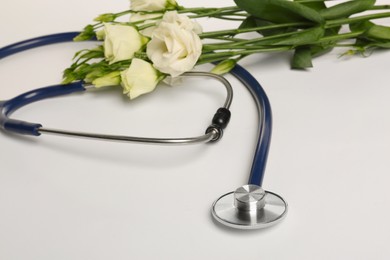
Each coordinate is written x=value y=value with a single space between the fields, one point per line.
x=197 y=10
x=216 y=12
x=380 y=7
x=338 y=22
x=255 y=49
x=205 y=58
x=123 y=13
x=308 y=1
x=229 y=18
x=344 y=45
x=228 y=39
x=344 y=36
x=252 y=29
x=244 y=44
x=238 y=15
x=230 y=47
x=98 y=26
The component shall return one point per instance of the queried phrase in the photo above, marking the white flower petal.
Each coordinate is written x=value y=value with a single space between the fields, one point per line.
x=140 y=78
x=121 y=42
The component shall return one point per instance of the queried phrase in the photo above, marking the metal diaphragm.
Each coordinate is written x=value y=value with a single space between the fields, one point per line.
x=249 y=207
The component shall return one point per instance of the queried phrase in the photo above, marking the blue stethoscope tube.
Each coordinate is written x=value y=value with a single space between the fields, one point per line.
x=265 y=119
x=26 y=128
x=36 y=42
x=20 y=127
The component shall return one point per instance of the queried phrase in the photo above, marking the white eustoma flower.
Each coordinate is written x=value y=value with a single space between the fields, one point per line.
x=175 y=47
x=121 y=42
x=140 y=78
x=152 y=5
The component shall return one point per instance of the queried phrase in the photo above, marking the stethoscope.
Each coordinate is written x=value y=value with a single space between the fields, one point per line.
x=248 y=207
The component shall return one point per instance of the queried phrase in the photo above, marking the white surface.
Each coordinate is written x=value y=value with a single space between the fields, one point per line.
x=79 y=199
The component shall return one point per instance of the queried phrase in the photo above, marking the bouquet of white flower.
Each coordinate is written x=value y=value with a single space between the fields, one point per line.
x=161 y=39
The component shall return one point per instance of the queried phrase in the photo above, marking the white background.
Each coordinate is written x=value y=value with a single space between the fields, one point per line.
x=66 y=198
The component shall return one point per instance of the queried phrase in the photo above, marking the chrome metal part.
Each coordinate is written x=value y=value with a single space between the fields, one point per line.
x=88 y=86
x=145 y=140
x=225 y=82
x=249 y=207
x=249 y=198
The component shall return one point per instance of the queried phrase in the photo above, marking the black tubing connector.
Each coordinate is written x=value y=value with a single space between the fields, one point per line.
x=222 y=117
x=220 y=121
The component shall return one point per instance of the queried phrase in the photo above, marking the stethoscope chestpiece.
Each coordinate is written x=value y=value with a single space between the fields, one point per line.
x=249 y=207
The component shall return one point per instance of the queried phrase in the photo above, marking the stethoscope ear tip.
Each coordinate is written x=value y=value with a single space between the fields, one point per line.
x=249 y=207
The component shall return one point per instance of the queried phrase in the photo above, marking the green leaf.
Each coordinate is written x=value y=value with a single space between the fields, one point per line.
x=280 y=11
x=320 y=49
x=92 y=54
x=94 y=72
x=271 y=32
x=346 y=9
x=325 y=47
x=68 y=76
x=373 y=31
x=303 y=37
x=384 y=45
x=317 y=5
x=378 y=32
x=365 y=44
x=249 y=22
x=360 y=26
x=78 y=53
x=302 y=58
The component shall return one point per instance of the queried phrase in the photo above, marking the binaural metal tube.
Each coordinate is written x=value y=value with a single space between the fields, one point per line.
x=221 y=79
x=210 y=135
x=145 y=140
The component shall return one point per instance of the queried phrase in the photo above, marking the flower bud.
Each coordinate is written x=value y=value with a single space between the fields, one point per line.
x=152 y=5
x=86 y=34
x=171 y=5
x=110 y=79
x=105 y=18
x=224 y=67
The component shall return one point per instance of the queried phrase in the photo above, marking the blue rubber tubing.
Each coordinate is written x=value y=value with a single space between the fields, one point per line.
x=265 y=121
x=36 y=42
x=9 y=106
